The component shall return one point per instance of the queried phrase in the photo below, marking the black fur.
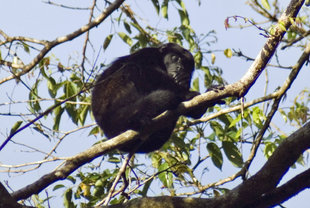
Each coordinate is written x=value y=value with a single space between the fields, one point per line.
x=138 y=87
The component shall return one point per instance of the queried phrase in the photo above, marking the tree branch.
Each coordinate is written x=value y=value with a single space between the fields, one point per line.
x=73 y=163
x=7 y=201
x=286 y=191
x=48 y=45
x=253 y=192
x=275 y=168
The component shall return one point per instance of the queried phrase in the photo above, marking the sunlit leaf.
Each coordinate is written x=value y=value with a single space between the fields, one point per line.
x=235 y=121
x=196 y=84
x=114 y=160
x=184 y=17
x=125 y=38
x=107 y=41
x=165 y=177
x=198 y=58
x=213 y=57
x=228 y=53
x=269 y=149
x=164 y=9
x=94 y=131
x=15 y=127
x=266 y=4
x=282 y=26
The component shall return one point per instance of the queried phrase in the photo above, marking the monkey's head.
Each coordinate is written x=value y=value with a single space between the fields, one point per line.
x=179 y=63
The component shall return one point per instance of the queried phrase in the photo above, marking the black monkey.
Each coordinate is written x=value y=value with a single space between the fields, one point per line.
x=140 y=86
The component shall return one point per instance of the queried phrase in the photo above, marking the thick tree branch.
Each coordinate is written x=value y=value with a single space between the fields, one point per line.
x=73 y=163
x=277 y=96
x=286 y=191
x=273 y=171
x=252 y=193
x=6 y=200
x=241 y=87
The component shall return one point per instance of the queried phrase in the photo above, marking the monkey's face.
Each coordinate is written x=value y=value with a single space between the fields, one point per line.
x=179 y=68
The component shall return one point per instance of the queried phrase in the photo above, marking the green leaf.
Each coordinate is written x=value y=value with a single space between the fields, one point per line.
x=33 y=97
x=164 y=9
x=228 y=52
x=233 y=153
x=156 y=5
x=58 y=186
x=38 y=128
x=196 y=84
x=58 y=113
x=272 y=29
x=198 y=58
x=72 y=112
x=83 y=114
x=215 y=154
x=184 y=17
x=68 y=199
x=52 y=87
x=71 y=179
x=217 y=128
x=213 y=57
x=94 y=131
x=107 y=41
x=125 y=38
x=227 y=120
x=114 y=160
x=146 y=188
x=266 y=4
x=70 y=89
x=258 y=116
x=127 y=27
x=270 y=147
x=26 y=47
x=282 y=26
x=15 y=127
x=165 y=177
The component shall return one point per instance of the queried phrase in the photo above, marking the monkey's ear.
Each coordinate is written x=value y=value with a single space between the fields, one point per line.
x=168 y=46
x=162 y=48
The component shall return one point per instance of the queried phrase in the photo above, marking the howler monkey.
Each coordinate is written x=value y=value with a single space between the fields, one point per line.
x=140 y=86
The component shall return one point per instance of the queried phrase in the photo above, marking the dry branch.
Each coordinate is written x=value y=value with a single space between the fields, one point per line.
x=49 y=45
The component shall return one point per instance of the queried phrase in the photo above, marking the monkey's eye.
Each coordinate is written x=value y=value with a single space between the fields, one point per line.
x=175 y=58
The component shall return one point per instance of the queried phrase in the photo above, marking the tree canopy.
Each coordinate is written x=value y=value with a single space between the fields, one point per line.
x=239 y=154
